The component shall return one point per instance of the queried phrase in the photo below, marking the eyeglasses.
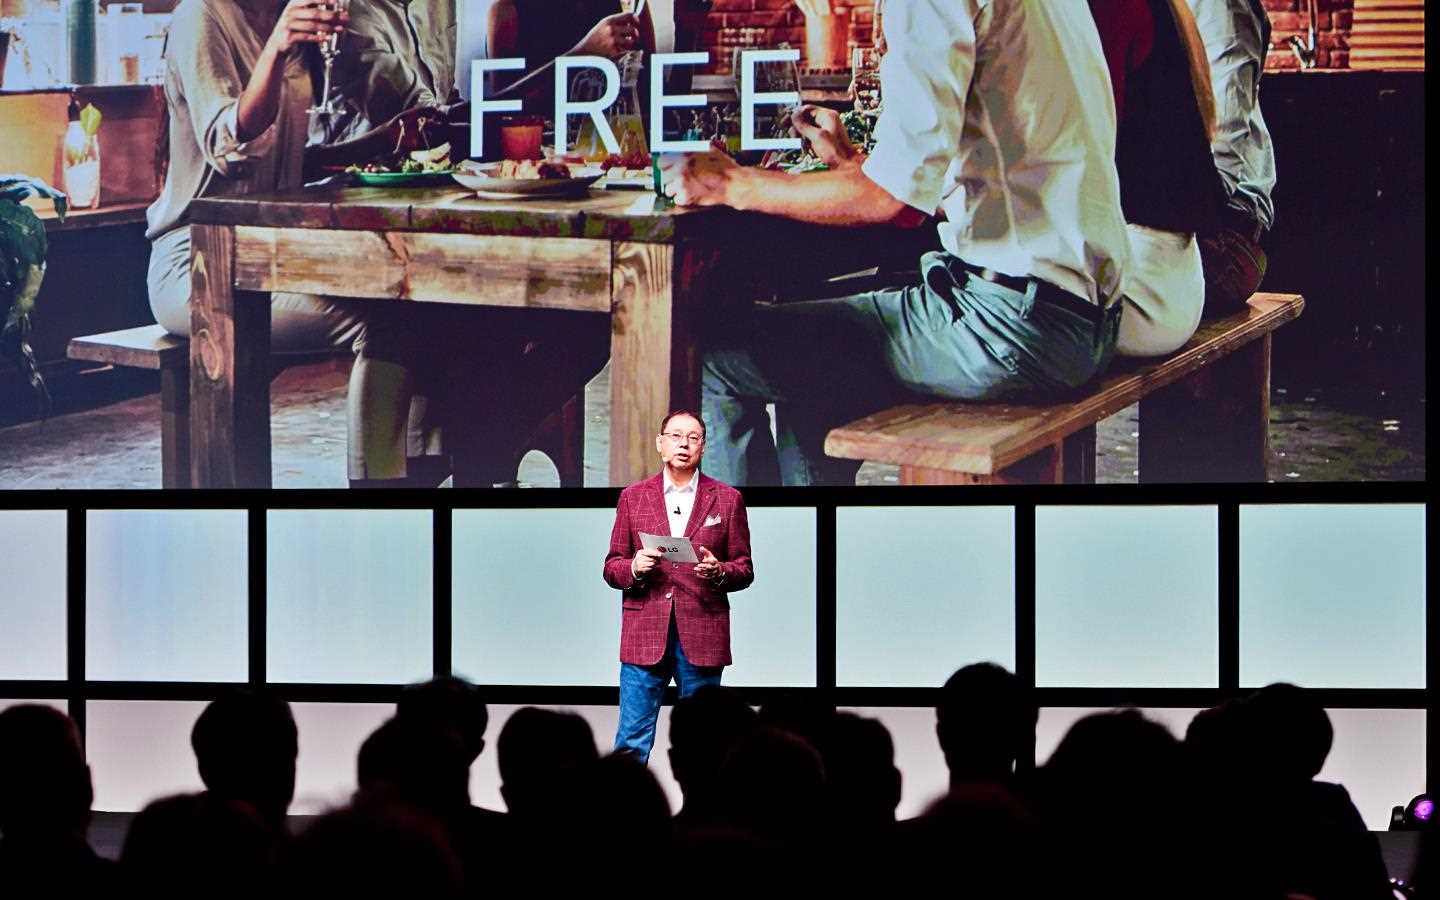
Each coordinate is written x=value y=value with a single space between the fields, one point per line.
x=677 y=438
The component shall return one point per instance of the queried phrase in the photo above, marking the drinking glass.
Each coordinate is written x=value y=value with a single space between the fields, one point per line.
x=329 y=49
x=865 y=80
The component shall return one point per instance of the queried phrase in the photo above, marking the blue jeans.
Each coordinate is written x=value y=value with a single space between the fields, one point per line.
x=643 y=687
x=826 y=362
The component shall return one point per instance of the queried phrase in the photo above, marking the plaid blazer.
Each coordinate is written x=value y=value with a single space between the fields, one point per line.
x=702 y=613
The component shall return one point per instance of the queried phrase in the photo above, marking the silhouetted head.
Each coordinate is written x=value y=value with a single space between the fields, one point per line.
x=1117 y=766
x=618 y=805
x=977 y=840
x=773 y=784
x=376 y=847
x=194 y=845
x=859 y=758
x=419 y=762
x=703 y=728
x=245 y=746
x=451 y=703
x=45 y=789
x=802 y=713
x=985 y=722
x=539 y=752
x=1292 y=730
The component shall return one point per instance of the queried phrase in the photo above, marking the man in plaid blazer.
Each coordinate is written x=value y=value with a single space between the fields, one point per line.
x=675 y=617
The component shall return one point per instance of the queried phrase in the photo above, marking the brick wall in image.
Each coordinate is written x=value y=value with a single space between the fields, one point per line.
x=768 y=23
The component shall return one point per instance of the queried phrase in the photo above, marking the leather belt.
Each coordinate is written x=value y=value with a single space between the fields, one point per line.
x=1243 y=223
x=1045 y=292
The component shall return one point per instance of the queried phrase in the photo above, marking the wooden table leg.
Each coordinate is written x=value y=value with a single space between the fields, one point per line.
x=229 y=368
x=175 y=427
x=654 y=361
x=1078 y=457
x=1213 y=426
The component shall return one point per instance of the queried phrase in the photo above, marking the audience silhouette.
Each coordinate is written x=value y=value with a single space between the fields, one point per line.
x=796 y=797
x=45 y=796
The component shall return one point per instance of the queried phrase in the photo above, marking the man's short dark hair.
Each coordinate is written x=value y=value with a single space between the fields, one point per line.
x=665 y=422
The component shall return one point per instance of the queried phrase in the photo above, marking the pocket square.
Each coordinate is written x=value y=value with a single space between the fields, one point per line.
x=711 y=520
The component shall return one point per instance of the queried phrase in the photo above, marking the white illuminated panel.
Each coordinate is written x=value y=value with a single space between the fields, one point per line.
x=32 y=606
x=531 y=605
x=165 y=595
x=330 y=739
x=1126 y=596
x=922 y=591
x=1379 y=756
x=139 y=750
x=1333 y=596
x=350 y=596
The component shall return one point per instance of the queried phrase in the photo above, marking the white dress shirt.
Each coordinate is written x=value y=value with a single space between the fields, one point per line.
x=1000 y=112
x=1236 y=36
x=679 y=501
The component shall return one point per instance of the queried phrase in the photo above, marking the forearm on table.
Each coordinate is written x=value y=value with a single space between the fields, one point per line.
x=842 y=196
x=260 y=101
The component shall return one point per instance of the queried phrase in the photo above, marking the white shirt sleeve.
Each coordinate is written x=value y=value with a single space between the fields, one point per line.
x=926 y=77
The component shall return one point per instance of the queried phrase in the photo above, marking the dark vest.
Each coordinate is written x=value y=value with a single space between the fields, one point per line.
x=1168 y=178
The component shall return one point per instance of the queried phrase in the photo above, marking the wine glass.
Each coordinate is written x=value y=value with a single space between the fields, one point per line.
x=865 y=80
x=329 y=49
x=778 y=78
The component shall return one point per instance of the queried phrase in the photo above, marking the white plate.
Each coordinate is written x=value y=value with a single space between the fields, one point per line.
x=477 y=177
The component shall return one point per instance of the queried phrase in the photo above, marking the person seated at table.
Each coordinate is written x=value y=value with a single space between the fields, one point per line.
x=395 y=56
x=1003 y=120
x=1169 y=186
x=1237 y=37
x=237 y=89
x=540 y=32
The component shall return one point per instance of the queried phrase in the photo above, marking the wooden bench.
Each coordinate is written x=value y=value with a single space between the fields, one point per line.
x=152 y=347
x=561 y=436
x=1204 y=417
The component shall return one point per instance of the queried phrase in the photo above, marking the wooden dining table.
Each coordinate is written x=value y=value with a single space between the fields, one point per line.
x=662 y=274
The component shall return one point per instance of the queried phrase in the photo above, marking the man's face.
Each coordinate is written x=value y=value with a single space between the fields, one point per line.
x=682 y=443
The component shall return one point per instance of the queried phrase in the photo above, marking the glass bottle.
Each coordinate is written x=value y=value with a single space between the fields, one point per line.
x=81 y=169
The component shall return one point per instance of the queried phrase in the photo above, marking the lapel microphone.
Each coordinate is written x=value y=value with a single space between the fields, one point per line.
x=677 y=510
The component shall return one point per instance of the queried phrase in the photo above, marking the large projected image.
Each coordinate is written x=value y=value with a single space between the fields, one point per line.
x=632 y=242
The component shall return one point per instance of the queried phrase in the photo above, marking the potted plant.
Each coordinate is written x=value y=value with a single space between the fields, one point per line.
x=22 y=268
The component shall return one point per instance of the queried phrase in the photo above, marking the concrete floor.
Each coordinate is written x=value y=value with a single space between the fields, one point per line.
x=1315 y=436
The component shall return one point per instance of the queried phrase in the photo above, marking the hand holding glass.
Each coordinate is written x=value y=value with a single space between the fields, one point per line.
x=329 y=49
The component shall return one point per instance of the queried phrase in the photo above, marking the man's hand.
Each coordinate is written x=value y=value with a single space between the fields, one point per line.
x=699 y=179
x=825 y=132
x=612 y=37
x=646 y=561
x=708 y=567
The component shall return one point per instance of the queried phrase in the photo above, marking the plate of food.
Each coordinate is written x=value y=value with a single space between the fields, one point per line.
x=631 y=170
x=419 y=168
x=512 y=179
